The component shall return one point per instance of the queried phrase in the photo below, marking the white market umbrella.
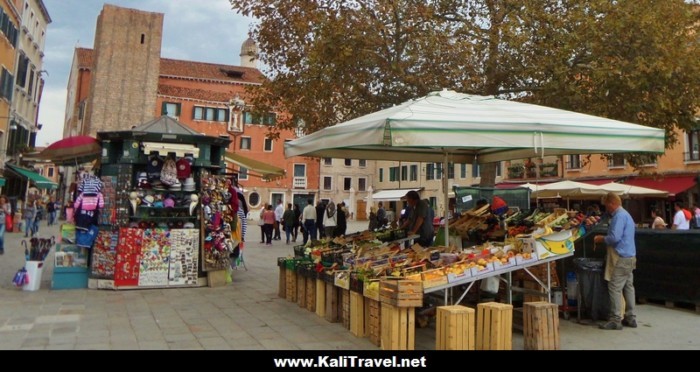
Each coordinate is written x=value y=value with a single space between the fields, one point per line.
x=370 y=200
x=449 y=126
x=574 y=190
x=631 y=191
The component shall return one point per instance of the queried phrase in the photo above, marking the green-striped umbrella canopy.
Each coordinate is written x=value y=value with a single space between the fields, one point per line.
x=474 y=129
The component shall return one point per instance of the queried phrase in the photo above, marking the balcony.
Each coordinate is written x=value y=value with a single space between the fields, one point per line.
x=299 y=182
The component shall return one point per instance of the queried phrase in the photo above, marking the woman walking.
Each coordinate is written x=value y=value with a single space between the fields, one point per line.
x=28 y=214
x=269 y=219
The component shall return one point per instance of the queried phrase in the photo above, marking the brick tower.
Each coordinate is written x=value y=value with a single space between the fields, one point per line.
x=126 y=68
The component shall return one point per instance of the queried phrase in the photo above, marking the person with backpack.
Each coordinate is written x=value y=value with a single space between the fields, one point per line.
x=681 y=219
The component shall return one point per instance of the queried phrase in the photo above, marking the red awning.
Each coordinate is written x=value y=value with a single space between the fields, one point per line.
x=673 y=184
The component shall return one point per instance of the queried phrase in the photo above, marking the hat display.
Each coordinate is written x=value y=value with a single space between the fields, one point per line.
x=184 y=168
x=153 y=168
x=177 y=186
x=168 y=203
x=189 y=184
x=148 y=200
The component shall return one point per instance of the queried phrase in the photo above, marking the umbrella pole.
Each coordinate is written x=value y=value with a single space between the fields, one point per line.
x=447 y=202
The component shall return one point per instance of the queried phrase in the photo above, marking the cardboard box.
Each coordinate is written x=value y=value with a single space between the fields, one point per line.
x=498 y=265
x=488 y=268
x=342 y=279
x=519 y=260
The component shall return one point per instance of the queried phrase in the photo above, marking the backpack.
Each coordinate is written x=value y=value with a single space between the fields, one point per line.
x=687 y=214
x=168 y=174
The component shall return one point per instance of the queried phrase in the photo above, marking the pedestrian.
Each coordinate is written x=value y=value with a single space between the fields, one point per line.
x=51 y=210
x=372 y=219
x=381 y=215
x=28 y=213
x=680 y=220
x=320 y=209
x=288 y=221
x=696 y=216
x=261 y=222
x=39 y=216
x=309 y=217
x=341 y=220
x=658 y=222
x=620 y=263
x=418 y=221
x=5 y=211
x=269 y=218
x=297 y=222
x=279 y=212
x=330 y=220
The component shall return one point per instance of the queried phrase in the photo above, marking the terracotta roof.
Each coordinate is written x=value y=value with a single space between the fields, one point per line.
x=200 y=94
x=84 y=58
x=202 y=70
x=190 y=69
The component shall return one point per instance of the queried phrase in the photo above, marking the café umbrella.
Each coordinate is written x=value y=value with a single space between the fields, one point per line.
x=72 y=150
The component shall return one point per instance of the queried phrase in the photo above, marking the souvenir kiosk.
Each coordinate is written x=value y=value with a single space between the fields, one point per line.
x=165 y=221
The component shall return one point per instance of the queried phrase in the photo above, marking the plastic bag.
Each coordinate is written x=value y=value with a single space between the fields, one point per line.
x=21 y=278
x=490 y=284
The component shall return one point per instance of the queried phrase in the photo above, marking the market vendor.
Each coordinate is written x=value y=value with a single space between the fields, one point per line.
x=419 y=221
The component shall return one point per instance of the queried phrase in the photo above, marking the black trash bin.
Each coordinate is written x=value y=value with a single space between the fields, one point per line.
x=594 y=301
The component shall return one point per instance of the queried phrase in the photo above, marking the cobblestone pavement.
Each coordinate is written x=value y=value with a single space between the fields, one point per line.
x=246 y=314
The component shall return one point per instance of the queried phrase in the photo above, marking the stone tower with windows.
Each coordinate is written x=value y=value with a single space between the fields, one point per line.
x=126 y=67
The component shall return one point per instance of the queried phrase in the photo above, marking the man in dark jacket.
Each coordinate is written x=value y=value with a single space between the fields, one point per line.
x=320 y=209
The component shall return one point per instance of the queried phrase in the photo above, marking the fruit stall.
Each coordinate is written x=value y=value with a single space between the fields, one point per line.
x=331 y=277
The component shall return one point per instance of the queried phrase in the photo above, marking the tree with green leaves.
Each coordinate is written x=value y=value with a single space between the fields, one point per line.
x=333 y=60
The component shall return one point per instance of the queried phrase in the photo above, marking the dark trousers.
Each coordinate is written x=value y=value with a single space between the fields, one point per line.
x=268 y=233
x=277 y=231
x=309 y=230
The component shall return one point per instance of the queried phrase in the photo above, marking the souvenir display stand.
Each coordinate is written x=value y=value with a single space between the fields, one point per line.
x=152 y=226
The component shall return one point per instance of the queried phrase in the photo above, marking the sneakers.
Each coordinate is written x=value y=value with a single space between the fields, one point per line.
x=611 y=325
x=629 y=322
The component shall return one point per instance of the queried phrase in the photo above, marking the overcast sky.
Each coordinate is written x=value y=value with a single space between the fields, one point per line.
x=195 y=30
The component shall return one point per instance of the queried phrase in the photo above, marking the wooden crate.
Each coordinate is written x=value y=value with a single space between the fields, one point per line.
x=345 y=307
x=374 y=329
x=332 y=303
x=455 y=328
x=397 y=327
x=357 y=314
x=401 y=293
x=541 y=326
x=291 y=285
x=311 y=294
x=216 y=278
x=301 y=291
x=494 y=326
x=282 y=284
x=320 y=298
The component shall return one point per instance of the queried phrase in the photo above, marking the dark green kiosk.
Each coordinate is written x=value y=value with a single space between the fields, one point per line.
x=152 y=232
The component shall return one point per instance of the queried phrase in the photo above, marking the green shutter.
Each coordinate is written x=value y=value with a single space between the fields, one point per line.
x=163 y=109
